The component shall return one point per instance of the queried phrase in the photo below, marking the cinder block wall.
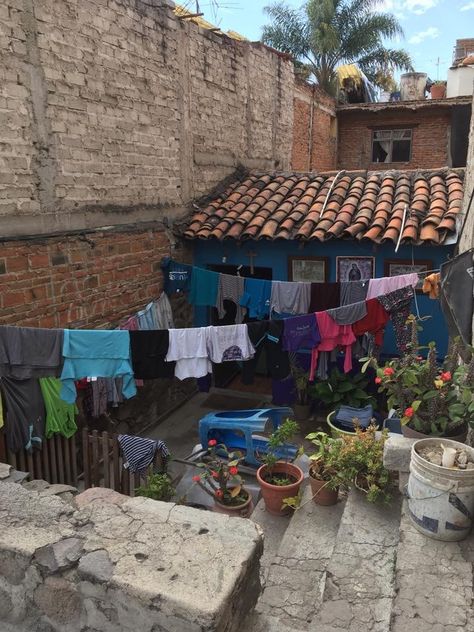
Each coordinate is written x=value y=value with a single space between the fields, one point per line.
x=430 y=148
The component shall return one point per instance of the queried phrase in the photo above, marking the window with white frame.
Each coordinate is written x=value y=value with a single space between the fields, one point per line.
x=391 y=145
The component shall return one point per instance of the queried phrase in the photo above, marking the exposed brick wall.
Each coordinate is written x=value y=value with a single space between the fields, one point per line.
x=314 y=142
x=84 y=281
x=430 y=137
x=116 y=111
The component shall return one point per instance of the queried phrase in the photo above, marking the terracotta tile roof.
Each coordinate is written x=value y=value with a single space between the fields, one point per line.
x=348 y=205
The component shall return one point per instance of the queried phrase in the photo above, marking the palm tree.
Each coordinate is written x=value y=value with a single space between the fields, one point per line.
x=324 y=34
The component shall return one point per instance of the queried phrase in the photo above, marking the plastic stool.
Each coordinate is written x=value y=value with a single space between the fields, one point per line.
x=237 y=428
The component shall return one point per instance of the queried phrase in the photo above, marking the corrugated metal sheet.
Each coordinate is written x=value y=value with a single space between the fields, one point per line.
x=180 y=11
x=348 y=71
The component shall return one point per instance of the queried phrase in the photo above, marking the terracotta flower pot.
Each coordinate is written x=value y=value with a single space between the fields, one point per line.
x=244 y=510
x=322 y=495
x=273 y=495
x=438 y=91
x=411 y=433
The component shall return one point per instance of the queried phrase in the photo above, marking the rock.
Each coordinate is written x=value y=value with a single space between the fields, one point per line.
x=469 y=466
x=462 y=458
x=53 y=490
x=96 y=566
x=5 y=470
x=434 y=457
x=397 y=453
x=58 y=600
x=99 y=494
x=37 y=485
x=13 y=566
x=60 y=555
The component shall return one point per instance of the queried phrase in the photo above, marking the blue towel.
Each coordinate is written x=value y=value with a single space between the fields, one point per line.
x=100 y=353
x=346 y=414
x=204 y=287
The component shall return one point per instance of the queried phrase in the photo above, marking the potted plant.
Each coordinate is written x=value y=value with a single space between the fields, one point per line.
x=157 y=487
x=341 y=389
x=324 y=472
x=221 y=480
x=431 y=399
x=302 y=406
x=360 y=463
x=438 y=90
x=279 y=479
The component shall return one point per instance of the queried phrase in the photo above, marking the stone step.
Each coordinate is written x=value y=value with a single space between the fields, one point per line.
x=360 y=583
x=273 y=528
x=296 y=575
x=434 y=583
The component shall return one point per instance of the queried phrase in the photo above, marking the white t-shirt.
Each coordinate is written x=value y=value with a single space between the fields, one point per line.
x=229 y=343
x=188 y=347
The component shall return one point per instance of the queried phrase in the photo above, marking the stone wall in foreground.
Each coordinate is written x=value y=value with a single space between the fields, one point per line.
x=115 y=564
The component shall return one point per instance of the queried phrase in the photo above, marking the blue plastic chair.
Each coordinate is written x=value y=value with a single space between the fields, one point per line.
x=236 y=429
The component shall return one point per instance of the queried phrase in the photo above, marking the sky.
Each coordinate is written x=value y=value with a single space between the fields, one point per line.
x=431 y=26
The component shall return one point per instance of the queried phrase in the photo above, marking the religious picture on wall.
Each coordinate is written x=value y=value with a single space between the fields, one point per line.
x=312 y=269
x=355 y=268
x=394 y=267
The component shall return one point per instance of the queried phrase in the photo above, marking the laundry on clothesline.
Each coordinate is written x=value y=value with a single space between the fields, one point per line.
x=139 y=452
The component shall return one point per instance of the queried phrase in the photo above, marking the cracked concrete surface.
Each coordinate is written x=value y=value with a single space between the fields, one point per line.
x=123 y=564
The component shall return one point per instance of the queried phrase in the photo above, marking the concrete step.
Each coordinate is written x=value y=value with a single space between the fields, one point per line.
x=296 y=576
x=360 y=582
x=273 y=528
x=434 y=583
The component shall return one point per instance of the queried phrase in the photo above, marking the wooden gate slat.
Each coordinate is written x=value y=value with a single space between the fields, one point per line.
x=116 y=465
x=95 y=459
x=53 y=461
x=73 y=457
x=67 y=462
x=60 y=458
x=105 y=457
x=86 y=458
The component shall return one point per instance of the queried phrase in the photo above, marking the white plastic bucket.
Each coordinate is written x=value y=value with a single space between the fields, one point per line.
x=440 y=500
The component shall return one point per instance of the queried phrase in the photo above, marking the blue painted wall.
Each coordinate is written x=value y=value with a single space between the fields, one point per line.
x=275 y=255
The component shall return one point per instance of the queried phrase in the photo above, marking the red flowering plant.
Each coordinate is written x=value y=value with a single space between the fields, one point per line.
x=219 y=475
x=434 y=399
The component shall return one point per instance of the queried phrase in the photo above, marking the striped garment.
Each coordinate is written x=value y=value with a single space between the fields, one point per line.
x=232 y=289
x=139 y=452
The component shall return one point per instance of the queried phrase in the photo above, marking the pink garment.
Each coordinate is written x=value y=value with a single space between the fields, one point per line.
x=385 y=285
x=332 y=336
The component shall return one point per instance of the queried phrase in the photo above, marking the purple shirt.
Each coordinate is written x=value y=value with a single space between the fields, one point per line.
x=301 y=332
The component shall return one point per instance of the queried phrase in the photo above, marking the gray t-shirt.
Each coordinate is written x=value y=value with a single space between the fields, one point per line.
x=290 y=297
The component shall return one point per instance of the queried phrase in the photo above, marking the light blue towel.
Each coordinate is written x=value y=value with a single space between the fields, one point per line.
x=98 y=353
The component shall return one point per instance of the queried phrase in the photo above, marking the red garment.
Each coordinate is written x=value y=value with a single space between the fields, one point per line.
x=374 y=322
x=332 y=336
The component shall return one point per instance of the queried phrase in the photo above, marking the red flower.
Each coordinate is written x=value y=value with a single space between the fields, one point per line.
x=419 y=358
x=214 y=474
x=388 y=371
x=233 y=470
x=219 y=493
x=446 y=376
x=378 y=380
x=409 y=412
x=212 y=442
x=196 y=479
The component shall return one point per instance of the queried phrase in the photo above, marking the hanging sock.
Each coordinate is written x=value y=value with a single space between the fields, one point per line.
x=60 y=417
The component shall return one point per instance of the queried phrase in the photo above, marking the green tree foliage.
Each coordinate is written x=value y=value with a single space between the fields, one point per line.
x=324 y=34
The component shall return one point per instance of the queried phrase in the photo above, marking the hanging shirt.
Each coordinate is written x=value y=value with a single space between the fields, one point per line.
x=149 y=349
x=30 y=352
x=385 y=285
x=204 y=286
x=146 y=318
x=398 y=305
x=99 y=353
x=230 y=288
x=163 y=312
x=431 y=285
x=332 y=336
x=139 y=452
x=60 y=417
x=25 y=413
x=353 y=292
x=1 y=411
x=300 y=333
x=373 y=322
x=256 y=297
x=324 y=296
x=228 y=343
x=348 y=314
x=189 y=349
x=267 y=338
x=176 y=276
x=290 y=297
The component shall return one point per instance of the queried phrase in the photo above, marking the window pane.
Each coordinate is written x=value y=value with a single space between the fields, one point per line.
x=401 y=151
x=383 y=135
x=380 y=151
x=407 y=133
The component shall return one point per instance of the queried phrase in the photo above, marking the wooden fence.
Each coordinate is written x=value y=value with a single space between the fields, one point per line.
x=56 y=462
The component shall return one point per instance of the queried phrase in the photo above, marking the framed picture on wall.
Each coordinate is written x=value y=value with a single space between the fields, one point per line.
x=394 y=267
x=355 y=268
x=313 y=269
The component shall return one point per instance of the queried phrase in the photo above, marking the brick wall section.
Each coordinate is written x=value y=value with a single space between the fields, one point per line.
x=314 y=144
x=116 y=111
x=430 y=138
x=87 y=281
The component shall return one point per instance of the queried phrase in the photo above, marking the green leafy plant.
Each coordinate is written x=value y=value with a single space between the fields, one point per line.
x=157 y=487
x=220 y=476
x=301 y=379
x=326 y=459
x=434 y=399
x=342 y=390
x=360 y=463
x=284 y=433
